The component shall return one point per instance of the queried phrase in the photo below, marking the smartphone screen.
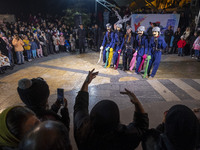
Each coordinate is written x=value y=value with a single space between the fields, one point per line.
x=60 y=94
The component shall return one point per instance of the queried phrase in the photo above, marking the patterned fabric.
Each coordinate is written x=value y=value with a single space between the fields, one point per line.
x=4 y=61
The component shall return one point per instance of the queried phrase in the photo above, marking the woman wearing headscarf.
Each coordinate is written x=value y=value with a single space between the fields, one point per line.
x=15 y=122
x=180 y=132
x=101 y=129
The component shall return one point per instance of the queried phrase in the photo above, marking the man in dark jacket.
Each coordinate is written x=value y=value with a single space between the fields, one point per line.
x=101 y=129
x=177 y=36
x=168 y=35
x=97 y=37
x=81 y=36
x=49 y=42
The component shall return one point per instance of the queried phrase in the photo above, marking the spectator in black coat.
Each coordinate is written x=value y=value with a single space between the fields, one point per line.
x=34 y=93
x=177 y=36
x=168 y=35
x=180 y=132
x=3 y=45
x=81 y=36
x=97 y=37
x=101 y=129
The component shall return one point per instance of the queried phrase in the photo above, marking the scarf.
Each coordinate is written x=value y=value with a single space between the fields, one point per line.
x=6 y=137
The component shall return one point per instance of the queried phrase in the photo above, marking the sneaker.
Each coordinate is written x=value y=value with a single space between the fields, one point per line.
x=150 y=77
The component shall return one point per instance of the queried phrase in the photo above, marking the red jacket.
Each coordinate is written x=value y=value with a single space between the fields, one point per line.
x=181 y=43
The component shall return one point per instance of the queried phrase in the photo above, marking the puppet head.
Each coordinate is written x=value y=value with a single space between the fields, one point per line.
x=108 y=26
x=128 y=29
x=140 y=30
x=156 y=31
x=119 y=26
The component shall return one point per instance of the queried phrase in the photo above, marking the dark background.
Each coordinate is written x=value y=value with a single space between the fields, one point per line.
x=44 y=6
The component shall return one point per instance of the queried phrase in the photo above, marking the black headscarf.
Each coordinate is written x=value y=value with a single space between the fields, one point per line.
x=182 y=128
x=105 y=116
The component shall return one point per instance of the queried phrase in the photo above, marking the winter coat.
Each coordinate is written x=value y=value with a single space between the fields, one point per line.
x=181 y=43
x=196 y=44
x=18 y=45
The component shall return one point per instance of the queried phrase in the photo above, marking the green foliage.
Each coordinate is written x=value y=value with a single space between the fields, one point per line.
x=70 y=13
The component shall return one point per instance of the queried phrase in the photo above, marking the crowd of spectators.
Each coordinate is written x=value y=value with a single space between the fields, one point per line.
x=37 y=126
x=39 y=37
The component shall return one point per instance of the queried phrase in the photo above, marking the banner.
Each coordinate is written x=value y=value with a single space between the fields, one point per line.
x=165 y=20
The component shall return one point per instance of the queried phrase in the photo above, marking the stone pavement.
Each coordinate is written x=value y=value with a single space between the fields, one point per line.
x=177 y=82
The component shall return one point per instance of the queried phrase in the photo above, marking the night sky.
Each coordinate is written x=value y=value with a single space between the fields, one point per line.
x=44 y=6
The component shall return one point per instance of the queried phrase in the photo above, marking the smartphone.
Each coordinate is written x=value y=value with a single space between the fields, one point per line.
x=60 y=95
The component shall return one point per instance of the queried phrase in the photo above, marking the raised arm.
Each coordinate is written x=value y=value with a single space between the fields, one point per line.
x=81 y=112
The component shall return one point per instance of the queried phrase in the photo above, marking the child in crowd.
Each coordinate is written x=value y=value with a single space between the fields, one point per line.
x=33 y=48
x=62 y=43
x=181 y=44
x=72 y=42
x=67 y=45
x=39 y=51
x=56 y=42
x=196 y=46
x=27 y=47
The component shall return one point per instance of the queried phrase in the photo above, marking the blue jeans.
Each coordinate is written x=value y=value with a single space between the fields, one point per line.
x=20 y=57
x=180 y=51
x=196 y=53
x=28 y=54
x=34 y=53
x=10 y=56
x=154 y=63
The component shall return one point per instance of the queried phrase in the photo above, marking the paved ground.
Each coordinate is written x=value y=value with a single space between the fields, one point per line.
x=177 y=82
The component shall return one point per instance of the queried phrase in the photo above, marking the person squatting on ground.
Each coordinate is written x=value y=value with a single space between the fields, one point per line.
x=141 y=47
x=156 y=45
x=181 y=44
x=129 y=46
x=117 y=45
x=101 y=129
x=107 y=42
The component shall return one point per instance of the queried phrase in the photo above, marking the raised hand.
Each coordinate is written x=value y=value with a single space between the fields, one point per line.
x=131 y=95
x=91 y=76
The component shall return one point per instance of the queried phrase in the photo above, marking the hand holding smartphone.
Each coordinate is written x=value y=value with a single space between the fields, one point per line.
x=60 y=95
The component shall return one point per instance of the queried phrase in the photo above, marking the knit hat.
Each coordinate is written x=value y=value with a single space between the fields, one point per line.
x=128 y=27
x=6 y=137
x=156 y=29
x=141 y=28
x=182 y=127
x=104 y=116
x=109 y=25
x=34 y=92
x=119 y=26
